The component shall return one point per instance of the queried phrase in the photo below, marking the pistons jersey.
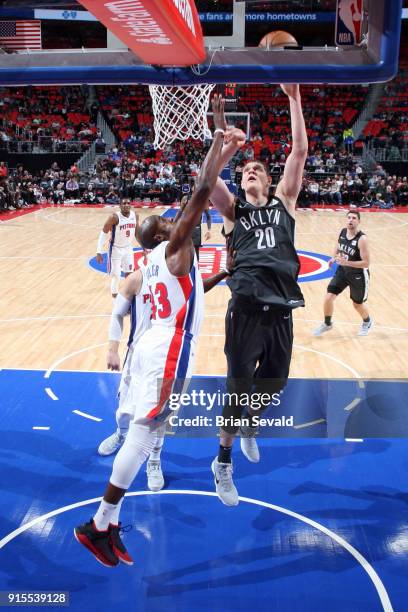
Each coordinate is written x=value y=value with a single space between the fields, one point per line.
x=177 y=301
x=266 y=264
x=123 y=233
x=140 y=309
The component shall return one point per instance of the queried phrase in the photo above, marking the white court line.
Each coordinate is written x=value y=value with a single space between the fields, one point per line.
x=207 y=316
x=354 y=440
x=352 y=404
x=48 y=217
x=309 y=424
x=53 y=318
x=399 y=329
x=87 y=416
x=393 y=217
x=50 y=393
x=366 y=566
x=41 y=258
x=56 y=363
x=372 y=230
x=68 y=370
x=307 y=349
x=41 y=428
x=328 y=356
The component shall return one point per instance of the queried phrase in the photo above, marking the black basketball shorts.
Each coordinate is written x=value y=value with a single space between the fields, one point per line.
x=258 y=347
x=358 y=280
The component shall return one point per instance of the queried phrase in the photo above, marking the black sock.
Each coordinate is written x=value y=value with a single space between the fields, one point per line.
x=327 y=320
x=367 y=320
x=224 y=454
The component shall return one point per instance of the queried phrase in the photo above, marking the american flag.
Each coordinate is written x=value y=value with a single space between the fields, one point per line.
x=17 y=35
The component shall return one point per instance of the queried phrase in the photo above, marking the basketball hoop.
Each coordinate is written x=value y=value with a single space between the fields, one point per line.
x=180 y=112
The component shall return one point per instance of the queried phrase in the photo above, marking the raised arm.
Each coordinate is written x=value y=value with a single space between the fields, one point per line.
x=291 y=183
x=181 y=234
x=183 y=204
x=109 y=223
x=221 y=197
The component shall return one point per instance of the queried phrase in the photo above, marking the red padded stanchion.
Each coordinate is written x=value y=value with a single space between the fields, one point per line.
x=162 y=32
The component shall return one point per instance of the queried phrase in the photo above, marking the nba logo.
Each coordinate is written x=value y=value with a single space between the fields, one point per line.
x=349 y=19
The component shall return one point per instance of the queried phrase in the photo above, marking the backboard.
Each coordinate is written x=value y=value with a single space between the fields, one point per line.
x=234 y=55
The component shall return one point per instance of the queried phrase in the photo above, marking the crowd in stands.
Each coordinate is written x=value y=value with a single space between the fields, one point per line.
x=388 y=128
x=133 y=168
x=161 y=182
x=53 y=119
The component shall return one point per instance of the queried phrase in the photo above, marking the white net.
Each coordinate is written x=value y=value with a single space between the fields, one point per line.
x=180 y=112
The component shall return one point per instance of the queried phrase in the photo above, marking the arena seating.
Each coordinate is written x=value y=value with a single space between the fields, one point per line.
x=45 y=114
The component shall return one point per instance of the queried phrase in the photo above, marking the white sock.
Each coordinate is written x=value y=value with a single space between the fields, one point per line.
x=103 y=515
x=157 y=449
x=114 y=519
x=123 y=421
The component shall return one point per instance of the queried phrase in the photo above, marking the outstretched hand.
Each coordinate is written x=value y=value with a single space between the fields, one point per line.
x=236 y=136
x=290 y=89
x=218 y=105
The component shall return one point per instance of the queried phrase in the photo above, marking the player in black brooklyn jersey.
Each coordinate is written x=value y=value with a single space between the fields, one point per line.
x=259 y=332
x=353 y=258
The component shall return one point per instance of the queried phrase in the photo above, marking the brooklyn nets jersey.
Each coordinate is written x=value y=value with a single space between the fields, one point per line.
x=349 y=248
x=266 y=263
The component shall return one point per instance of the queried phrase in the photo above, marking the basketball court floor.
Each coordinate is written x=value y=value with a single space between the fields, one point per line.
x=322 y=521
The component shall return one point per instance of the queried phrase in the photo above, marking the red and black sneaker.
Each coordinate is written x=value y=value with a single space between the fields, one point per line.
x=98 y=542
x=118 y=547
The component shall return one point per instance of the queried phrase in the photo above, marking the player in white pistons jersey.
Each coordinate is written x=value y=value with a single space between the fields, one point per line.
x=177 y=301
x=122 y=227
x=135 y=298
x=164 y=355
x=141 y=311
x=166 y=351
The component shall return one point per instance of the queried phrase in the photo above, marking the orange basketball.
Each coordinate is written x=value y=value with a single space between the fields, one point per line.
x=278 y=38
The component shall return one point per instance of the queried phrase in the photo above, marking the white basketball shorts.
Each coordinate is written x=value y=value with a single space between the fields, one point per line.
x=162 y=361
x=120 y=259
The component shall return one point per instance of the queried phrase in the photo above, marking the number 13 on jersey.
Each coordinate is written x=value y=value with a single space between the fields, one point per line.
x=161 y=306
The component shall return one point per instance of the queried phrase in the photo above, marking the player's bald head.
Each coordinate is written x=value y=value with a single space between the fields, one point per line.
x=153 y=231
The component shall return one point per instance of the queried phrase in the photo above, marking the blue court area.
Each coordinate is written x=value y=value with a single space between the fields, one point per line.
x=322 y=523
x=170 y=213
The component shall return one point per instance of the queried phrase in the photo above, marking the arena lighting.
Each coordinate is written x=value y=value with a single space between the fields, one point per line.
x=160 y=32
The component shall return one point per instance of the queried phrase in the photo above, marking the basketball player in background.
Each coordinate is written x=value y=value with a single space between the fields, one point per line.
x=164 y=356
x=122 y=228
x=352 y=256
x=259 y=331
x=197 y=235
